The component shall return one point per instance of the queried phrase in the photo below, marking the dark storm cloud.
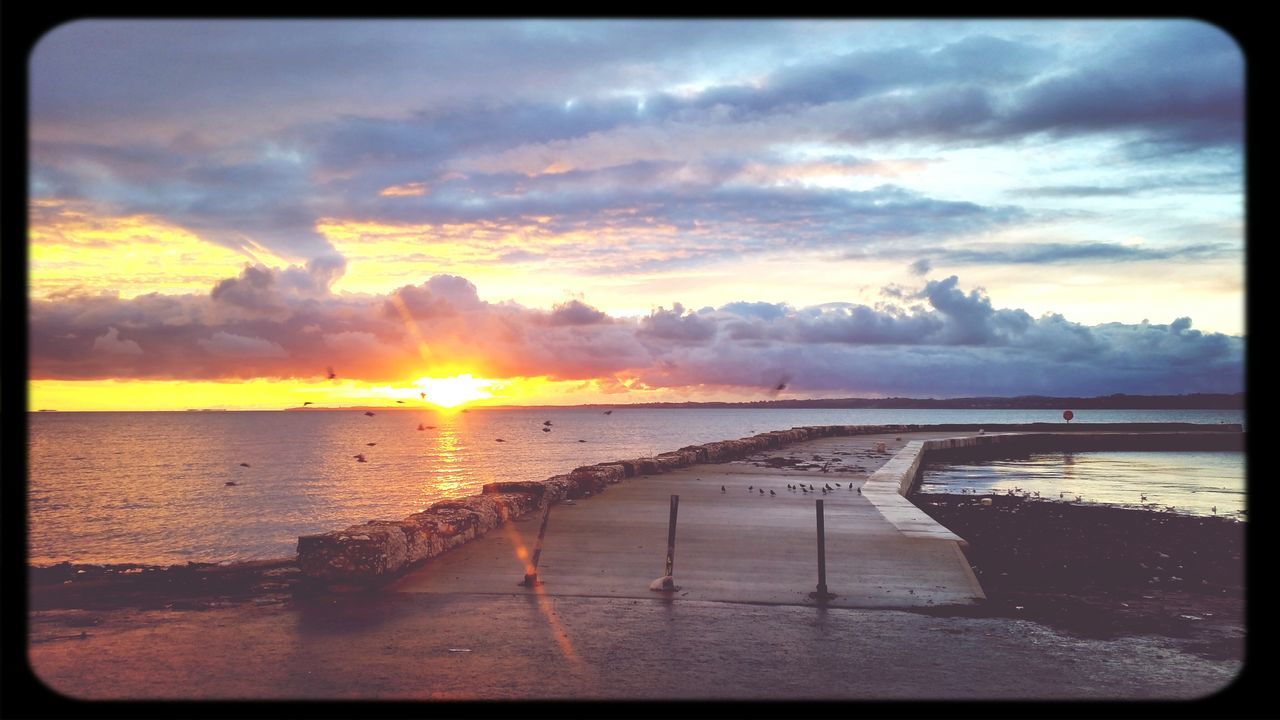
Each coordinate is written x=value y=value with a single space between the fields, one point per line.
x=943 y=341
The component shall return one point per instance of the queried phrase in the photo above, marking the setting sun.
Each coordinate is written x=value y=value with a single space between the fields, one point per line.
x=454 y=391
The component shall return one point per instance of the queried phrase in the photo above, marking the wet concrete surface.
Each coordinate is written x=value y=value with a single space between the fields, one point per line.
x=736 y=544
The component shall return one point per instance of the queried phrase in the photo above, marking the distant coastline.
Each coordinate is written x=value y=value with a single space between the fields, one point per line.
x=1119 y=401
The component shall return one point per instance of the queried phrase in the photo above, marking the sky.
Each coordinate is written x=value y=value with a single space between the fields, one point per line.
x=260 y=213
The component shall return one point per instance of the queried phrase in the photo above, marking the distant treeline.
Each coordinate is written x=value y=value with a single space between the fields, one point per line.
x=1119 y=401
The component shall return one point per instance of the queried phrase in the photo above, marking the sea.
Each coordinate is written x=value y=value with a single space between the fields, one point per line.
x=154 y=487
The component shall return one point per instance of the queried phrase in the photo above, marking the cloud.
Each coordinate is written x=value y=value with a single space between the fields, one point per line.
x=111 y=344
x=1051 y=253
x=576 y=312
x=940 y=340
x=238 y=346
x=920 y=267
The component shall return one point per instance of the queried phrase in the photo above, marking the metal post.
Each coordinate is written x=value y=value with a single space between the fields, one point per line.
x=669 y=582
x=531 y=578
x=821 y=593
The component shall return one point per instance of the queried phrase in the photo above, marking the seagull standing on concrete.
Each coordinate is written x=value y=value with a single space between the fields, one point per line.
x=722 y=489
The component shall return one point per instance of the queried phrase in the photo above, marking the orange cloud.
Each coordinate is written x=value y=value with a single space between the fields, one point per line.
x=413 y=189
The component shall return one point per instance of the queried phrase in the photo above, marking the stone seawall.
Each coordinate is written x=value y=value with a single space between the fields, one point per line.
x=379 y=550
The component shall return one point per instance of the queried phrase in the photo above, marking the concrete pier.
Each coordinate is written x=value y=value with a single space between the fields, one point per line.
x=735 y=544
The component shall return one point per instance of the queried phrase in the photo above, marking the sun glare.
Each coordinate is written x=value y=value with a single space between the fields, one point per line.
x=454 y=391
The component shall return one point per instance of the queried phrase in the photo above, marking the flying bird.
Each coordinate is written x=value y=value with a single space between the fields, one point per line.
x=371 y=444
x=230 y=483
x=244 y=464
x=359 y=457
x=780 y=386
x=608 y=412
x=582 y=441
x=370 y=414
x=420 y=427
x=546 y=429
x=400 y=401
x=546 y=422
x=307 y=403
x=422 y=395
x=499 y=440
x=331 y=373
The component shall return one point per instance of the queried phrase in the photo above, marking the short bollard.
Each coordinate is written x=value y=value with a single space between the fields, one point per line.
x=531 y=577
x=821 y=593
x=667 y=582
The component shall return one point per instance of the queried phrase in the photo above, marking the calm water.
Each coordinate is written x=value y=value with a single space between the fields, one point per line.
x=150 y=487
x=1192 y=482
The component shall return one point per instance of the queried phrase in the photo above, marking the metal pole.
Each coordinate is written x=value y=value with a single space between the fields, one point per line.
x=821 y=593
x=531 y=578
x=666 y=583
x=671 y=534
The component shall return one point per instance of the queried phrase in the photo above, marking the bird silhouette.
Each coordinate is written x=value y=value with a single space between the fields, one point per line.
x=824 y=491
x=420 y=427
x=546 y=422
x=331 y=373
x=804 y=489
x=400 y=401
x=771 y=492
x=366 y=412
x=244 y=464
x=546 y=429
x=859 y=491
x=359 y=457
x=499 y=440
x=608 y=412
x=827 y=487
x=371 y=444
x=750 y=488
x=582 y=441
x=422 y=395
x=722 y=489
x=837 y=484
x=761 y=491
x=231 y=483
x=307 y=403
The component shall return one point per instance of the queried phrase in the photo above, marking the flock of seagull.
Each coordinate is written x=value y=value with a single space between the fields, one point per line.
x=825 y=489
